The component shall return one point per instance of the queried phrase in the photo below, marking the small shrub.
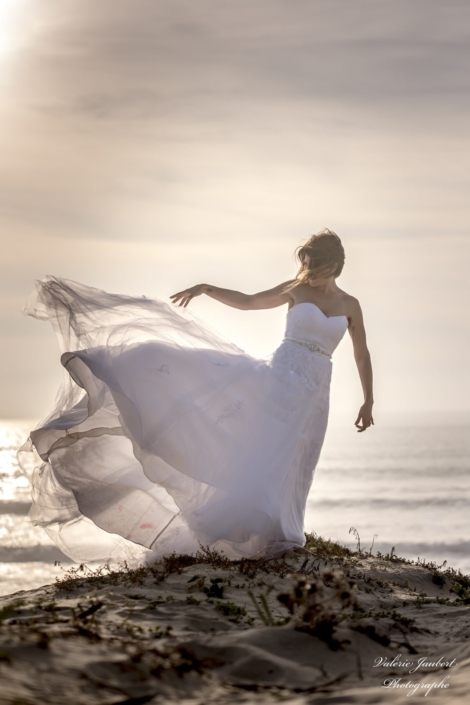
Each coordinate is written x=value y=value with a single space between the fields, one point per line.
x=313 y=612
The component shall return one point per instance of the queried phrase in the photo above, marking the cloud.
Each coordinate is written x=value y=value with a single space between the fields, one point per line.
x=146 y=144
x=170 y=113
x=139 y=60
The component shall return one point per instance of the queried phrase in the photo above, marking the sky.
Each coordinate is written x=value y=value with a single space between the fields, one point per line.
x=147 y=146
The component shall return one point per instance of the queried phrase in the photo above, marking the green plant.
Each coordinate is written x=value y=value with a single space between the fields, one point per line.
x=462 y=592
x=231 y=610
x=216 y=588
x=263 y=610
x=192 y=600
x=326 y=549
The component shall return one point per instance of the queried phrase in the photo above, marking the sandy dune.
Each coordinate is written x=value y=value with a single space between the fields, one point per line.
x=187 y=629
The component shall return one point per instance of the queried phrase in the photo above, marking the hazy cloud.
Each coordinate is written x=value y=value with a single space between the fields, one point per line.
x=146 y=144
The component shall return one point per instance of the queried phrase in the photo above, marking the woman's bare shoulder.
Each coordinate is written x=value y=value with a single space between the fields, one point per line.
x=350 y=302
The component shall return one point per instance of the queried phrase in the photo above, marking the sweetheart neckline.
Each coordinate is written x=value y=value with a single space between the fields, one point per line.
x=318 y=309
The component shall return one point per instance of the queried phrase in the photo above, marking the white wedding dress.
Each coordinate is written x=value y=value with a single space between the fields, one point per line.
x=165 y=436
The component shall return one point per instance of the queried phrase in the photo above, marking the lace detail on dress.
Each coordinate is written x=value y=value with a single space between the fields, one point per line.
x=230 y=410
x=299 y=364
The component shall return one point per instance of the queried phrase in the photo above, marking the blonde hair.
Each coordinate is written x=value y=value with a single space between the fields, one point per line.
x=326 y=258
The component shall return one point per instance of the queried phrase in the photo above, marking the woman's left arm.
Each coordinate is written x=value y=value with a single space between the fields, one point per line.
x=364 y=365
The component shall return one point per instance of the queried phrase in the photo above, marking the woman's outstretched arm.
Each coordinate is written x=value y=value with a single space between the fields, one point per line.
x=263 y=299
x=236 y=299
x=364 y=365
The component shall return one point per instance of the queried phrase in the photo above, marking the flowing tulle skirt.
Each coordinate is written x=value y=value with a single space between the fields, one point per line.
x=165 y=436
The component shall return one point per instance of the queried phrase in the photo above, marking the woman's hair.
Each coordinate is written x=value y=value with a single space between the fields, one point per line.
x=326 y=258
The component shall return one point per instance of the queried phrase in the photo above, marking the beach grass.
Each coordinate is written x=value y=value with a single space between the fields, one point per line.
x=207 y=624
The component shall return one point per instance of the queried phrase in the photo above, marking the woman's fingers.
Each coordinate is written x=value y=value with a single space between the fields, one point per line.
x=185 y=297
x=366 y=421
x=359 y=418
x=365 y=424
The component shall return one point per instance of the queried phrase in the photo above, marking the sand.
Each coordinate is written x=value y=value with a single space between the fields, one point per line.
x=350 y=627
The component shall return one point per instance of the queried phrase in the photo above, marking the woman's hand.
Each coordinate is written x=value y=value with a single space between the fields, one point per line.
x=188 y=294
x=365 y=414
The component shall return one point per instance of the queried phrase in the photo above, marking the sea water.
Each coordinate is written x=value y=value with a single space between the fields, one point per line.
x=408 y=485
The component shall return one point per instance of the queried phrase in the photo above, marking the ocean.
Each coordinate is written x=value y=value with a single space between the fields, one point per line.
x=409 y=485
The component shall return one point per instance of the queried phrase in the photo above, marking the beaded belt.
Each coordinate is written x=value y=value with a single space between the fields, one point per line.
x=311 y=346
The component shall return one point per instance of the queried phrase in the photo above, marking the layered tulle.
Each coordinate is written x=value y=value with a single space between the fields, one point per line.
x=164 y=435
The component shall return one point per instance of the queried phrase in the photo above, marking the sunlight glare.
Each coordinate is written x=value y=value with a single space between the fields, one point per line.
x=10 y=24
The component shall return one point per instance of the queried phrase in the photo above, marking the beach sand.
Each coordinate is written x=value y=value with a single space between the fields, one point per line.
x=202 y=629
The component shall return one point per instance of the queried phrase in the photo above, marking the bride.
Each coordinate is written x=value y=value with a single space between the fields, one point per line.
x=166 y=436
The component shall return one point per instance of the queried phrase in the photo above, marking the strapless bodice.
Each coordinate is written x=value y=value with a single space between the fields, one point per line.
x=305 y=321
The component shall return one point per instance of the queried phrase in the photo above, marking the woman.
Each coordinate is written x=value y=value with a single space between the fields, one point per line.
x=165 y=436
